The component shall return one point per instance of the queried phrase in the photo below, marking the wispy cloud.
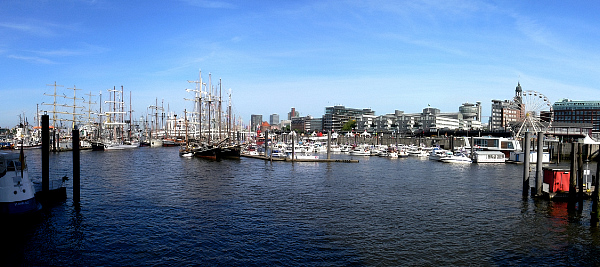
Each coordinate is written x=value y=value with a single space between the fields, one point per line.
x=37 y=60
x=86 y=49
x=31 y=28
x=209 y=4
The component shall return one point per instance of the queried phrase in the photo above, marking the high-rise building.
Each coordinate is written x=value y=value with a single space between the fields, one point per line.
x=255 y=122
x=507 y=112
x=274 y=119
x=293 y=114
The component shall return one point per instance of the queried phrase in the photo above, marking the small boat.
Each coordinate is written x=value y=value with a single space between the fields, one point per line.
x=302 y=155
x=456 y=158
x=438 y=153
x=17 y=194
x=486 y=156
x=360 y=151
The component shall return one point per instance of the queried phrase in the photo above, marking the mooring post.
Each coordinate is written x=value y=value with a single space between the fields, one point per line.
x=293 y=147
x=558 y=153
x=539 y=164
x=573 y=178
x=267 y=153
x=526 y=154
x=580 y=172
x=472 y=147
x=45 y=153
x=328 y=144
x=76 y=167
x=595 y=213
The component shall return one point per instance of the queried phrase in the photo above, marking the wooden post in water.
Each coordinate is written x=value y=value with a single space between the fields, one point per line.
x=76 y=167
x=538 y=166
x=595 y=213
x=293 y=146
x=573 y=177
x=473 y=154
x=45 y=153
x=267 y=153
x=328 y=144
x=527 y=144
x=580 y=173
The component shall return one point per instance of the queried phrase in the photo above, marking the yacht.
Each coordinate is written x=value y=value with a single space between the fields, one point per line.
x=17 y=194
x=438 y=153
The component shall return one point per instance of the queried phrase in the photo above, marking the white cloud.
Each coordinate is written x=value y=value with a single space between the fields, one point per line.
x=32 y=59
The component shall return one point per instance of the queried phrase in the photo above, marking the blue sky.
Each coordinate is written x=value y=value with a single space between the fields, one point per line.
x=274 y=55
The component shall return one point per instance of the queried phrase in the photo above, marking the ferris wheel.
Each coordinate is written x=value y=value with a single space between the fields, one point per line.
x=535 y=113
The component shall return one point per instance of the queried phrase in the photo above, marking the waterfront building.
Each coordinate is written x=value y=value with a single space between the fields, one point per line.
x=432 y=120
x=274 y=119
x=506 y=112
x=365 y=122
x=335 y=117
x=578 y=112
x=255 y=122
x=314 y=124
x=471 y=116
x=298 y=124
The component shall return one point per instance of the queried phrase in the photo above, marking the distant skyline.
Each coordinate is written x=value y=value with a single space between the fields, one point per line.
x=275 y=55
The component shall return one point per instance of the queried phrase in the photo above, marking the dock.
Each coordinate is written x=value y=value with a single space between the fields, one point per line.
x=300 y=160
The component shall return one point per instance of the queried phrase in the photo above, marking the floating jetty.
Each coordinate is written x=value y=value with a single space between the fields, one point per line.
x=300 y=160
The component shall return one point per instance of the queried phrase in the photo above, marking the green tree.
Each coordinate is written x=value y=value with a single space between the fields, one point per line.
x=349 y=125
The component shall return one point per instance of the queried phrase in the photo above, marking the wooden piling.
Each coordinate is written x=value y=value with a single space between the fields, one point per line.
x=573 y=178
x=527 y=148
x=539 y=165
x=580 y=172
x=76 y=166
x=45 y=153
x=329 y=144
x=293 y=148
x=595 y=213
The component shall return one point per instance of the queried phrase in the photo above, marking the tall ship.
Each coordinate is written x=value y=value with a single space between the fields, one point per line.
x=208 y=136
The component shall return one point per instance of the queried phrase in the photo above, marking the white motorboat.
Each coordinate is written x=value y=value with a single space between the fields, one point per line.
x=438 y=153
x=17 y=194
x=489 y=157
x=304 y=155
x=456 y=158
x=360 y=151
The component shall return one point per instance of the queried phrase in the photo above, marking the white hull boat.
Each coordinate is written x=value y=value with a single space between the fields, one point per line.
x=17 y=194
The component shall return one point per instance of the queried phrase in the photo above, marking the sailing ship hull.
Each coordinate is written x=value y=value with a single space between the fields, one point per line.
x=230 y=152
x=207 y=153
x=97 y=146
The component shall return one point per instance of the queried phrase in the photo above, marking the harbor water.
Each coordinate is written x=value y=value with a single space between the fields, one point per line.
x=148 y=206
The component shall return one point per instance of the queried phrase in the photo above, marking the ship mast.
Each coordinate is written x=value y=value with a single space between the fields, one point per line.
x=74 y=105
x=53 y=104
x=197 y=111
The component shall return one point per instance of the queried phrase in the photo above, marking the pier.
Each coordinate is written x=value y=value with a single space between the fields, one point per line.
x=299 y=160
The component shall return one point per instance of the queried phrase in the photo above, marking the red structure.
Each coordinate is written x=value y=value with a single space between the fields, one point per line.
x=557 y=178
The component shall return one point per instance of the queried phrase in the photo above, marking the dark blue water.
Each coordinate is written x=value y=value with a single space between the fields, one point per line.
x=148 y=207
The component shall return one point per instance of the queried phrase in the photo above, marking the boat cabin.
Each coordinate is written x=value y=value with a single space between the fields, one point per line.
x=488 y=157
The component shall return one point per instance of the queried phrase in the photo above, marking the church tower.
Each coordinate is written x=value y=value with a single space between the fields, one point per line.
x=519 y=94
